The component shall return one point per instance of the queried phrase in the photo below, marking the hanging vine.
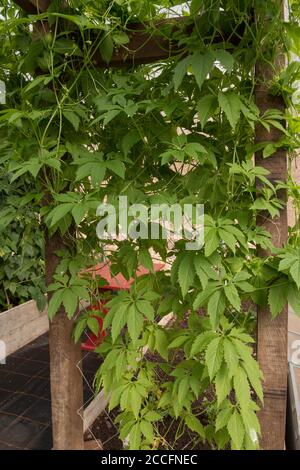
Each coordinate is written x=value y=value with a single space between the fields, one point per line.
x=180 y=130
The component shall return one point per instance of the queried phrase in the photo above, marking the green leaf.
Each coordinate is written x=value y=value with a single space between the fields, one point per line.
x=233 y=296
x=203 y=296
x=119 y=321
x=294 y=298
x=236 y=429
x=195 y=6
x=55 y=301
x=145 y=308
x=152 y=416
x=129 y=140
x=107 y=48
x=230 y=103
x=161 y=343
x=186 y=274
x=241 y=388
x=214 y=356
x=79 y=329
x=202 y=64
x=147 y=430
x=59 y=212
x=93 y=325
x=72 y=118
x=212 y=241
x=194 y=425
x=93 y=169
x=223 y=417
x=180 y=71
x=201 y=342
x=277 y=298
x=145 y=259
x=135 y=437
x=78 y=213
x=215 y=308
x=230 y=356
x=222 y=383
x=295 y=272
x=117 y=166
x=206 y=107
x=135 y=401
x=120 y=37
x=70 y=301
x=134 y=322
x=225 y=59
x=183 y=389
x=177 y=342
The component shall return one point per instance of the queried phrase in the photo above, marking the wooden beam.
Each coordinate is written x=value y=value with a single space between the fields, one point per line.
x=146 y=45
x=65 y=362
x=21 y=325
x=272 y=334
x=33 y=6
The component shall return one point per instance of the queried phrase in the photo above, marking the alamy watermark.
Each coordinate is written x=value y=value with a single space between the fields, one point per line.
x=2 y=92
x=2 y=352
x=156 y=221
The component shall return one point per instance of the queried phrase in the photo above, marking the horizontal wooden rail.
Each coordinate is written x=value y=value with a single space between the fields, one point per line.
x=147 y=43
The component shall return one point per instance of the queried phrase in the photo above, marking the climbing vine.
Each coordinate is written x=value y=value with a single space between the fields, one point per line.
x=181 y=130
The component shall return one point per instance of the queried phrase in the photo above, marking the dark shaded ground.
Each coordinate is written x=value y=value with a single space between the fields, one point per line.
x=25 y=399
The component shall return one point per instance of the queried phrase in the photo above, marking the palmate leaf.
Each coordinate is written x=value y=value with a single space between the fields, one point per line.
x=201 y=65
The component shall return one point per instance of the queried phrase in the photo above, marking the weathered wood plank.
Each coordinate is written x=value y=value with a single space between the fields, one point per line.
x=33 y=6
x=272 y=334
x=21 y=325
x=65 y=367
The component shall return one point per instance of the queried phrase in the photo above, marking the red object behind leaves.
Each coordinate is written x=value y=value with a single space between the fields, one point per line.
x=117 y=282
x=95 y=340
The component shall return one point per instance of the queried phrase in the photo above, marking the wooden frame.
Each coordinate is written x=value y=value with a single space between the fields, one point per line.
x=272 y=335
x=21 y=325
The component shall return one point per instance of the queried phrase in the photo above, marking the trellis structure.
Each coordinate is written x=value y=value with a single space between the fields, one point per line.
x=66 y=378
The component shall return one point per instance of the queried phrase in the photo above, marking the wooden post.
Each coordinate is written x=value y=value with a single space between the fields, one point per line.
x=65 y=374
x=272 y=334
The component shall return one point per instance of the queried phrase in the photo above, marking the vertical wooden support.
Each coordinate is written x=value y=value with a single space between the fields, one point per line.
x=66 y=377
x=272 y=334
